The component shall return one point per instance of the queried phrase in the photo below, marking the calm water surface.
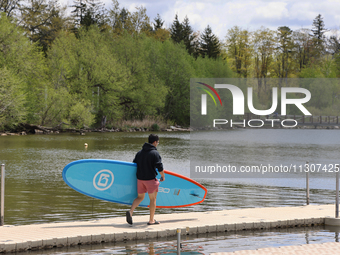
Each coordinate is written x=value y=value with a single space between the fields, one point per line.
x=36 y=192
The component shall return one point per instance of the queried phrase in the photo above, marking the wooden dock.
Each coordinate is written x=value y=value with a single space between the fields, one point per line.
x=115 y=230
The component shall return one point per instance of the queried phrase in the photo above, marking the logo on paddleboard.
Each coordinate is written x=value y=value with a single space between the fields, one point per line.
x=103 y=180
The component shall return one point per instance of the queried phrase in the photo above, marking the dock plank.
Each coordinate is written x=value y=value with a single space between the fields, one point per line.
x=49 y=235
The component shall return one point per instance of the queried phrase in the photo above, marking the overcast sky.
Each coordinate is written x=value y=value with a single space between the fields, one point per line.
x=251 y=14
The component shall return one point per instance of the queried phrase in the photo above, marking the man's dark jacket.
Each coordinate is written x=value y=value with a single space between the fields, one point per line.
x=148 y=160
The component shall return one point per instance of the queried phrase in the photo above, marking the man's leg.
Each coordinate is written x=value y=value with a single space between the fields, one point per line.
x=152 y=207
x=136 y=202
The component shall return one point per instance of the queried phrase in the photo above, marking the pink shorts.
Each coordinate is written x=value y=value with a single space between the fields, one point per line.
x=149 y=186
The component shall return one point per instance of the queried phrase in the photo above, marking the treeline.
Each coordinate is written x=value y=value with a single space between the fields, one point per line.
x=284 y=53
x=96 y=67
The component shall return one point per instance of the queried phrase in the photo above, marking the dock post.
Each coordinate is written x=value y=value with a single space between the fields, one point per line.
x=2 y=209
x=337 y=195
x=307 y=185
x=178 y=241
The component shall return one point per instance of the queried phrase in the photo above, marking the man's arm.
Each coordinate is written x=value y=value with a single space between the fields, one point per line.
x=163 y=176
x=159 y=166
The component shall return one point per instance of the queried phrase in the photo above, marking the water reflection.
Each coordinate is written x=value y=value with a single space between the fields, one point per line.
x=207 y=243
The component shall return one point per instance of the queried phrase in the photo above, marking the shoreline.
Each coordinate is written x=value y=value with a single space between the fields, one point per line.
x=36 y=129
x=40 y=130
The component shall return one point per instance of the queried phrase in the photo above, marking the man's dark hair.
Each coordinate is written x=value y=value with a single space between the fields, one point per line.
x=153 y=138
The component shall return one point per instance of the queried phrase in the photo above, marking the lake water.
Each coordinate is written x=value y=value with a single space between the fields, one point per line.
x=36 y=192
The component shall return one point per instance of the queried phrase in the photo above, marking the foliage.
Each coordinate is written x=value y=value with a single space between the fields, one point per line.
x=318 y=31
x=240 y=50
x=12 y=99
x=209 y=44
x=99 y=67
x=183 y=33
x=26 y=61
x=155 y=127
x=80 y=115
x=88 y=12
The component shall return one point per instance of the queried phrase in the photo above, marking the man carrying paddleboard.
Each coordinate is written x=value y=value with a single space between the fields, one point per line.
x=147 y=160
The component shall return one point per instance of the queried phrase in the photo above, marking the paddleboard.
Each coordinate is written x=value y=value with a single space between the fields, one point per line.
x=116 y=181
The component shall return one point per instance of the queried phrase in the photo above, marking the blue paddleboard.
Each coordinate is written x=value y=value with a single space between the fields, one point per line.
x=116 y=181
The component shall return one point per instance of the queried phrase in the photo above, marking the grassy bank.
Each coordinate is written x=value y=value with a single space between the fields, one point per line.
x=148 y=123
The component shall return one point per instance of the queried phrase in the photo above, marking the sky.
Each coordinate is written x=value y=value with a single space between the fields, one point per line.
x=248 y=14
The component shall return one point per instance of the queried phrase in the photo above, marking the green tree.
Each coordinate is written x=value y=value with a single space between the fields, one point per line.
x=209 y=44
x=89 y=12
x=64 y=96
x=284 y=64
x=239 y=47
x=174 y=69
x=144 y=93
x=141 y=21
x=43 y=20
x=183 y=33
x=12 y=99
x=25 y=60
x=319 y=31
x=89 y=72
x=304 y=48
x=158 y=22
x=36 y=15
x=189 y=37
x=264 y=43
x=176 y=30
x=119 y=19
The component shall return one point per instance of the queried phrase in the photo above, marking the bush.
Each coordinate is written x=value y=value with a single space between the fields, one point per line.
x=155 y=127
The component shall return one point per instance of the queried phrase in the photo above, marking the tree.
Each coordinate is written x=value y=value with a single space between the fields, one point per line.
x=159 y=32
x=238 y=43
x=264 y=43
x=209 y=44
x=134 y=23
x=182 y=32
x=90 y=72
x=24 y=59
x=10 y=7
x=174 y=69
x=303 y=47
x=318 y=31
x=144 y=93
x=43 y=21
x=284 y=52
x=334 y=44
x=140 y=21
x=188 y=36
x=89 y=12
x=120 y=20
x=176 y=31
x=158 y=22
x=12 y=99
